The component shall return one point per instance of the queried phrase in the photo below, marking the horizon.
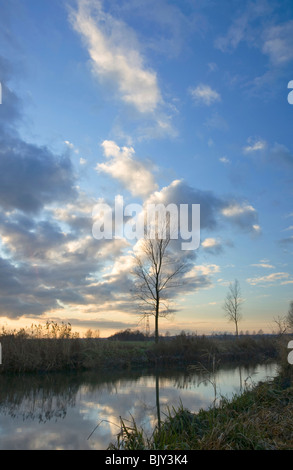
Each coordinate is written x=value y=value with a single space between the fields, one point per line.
x=166 y=102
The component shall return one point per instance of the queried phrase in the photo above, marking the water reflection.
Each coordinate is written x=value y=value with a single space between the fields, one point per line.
x=62 y=411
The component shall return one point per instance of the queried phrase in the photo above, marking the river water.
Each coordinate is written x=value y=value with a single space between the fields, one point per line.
x=82 y=411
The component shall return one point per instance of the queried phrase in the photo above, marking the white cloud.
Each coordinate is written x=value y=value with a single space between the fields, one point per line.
x=236 y=209
x=210 y=243
x=205 y=94
x=263 y=265
x=256 y=228
x=224 y=160
x=116 y=57
x=255 y=146
x=203 y=270
x=271 y=278
x=133 y=174
x=123 y=265
x=278 y=43
x=69 y=144
x=243 y=215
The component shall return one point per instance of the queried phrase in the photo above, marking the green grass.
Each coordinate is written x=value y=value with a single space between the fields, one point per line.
x=259 y=419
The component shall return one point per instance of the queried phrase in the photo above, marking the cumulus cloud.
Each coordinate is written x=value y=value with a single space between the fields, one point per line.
x=205 y=269
x=30 y=175
x=274 y=153
x=49 y=260
x=133 y=174
x=200 y=276
x=47 y=253
x=242 y=215
x=45 y=269
x=212 y=245
x=179 y=192
x=214 y=210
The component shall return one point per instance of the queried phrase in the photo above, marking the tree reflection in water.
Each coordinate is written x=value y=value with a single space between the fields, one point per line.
x=83 y=400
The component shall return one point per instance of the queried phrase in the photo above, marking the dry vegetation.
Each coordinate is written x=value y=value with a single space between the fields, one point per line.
x=260 y=418
x=54 y=347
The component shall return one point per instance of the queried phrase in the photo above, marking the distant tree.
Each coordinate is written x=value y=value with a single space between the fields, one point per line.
x=92 y=333
x=290 y=316
x=128 y=335
x=233 y=304
x=89 y=333
x=282 y=324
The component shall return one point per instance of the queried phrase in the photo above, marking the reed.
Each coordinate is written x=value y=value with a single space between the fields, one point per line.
x=54 y=347
x=259 y=419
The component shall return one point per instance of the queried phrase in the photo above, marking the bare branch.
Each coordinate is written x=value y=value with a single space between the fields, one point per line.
x=233 y=303
x=155 y=273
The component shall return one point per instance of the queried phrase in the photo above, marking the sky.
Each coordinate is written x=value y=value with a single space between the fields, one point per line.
x=164 y=101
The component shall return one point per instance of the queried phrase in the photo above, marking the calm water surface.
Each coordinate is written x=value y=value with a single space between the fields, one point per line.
x=61 y=411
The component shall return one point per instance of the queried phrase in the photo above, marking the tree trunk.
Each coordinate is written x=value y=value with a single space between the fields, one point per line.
x=157 y=321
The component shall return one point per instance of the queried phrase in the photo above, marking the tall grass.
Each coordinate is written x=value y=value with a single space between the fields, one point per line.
x=186 y=348
x=260 y=418
x=54 y=346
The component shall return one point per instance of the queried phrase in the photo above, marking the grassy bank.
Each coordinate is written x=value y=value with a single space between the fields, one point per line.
x=261 y=418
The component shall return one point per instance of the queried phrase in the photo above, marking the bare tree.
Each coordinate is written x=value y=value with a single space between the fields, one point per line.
x=233 y=304
x=282 y=324
x=290 y=316
x=156 y=273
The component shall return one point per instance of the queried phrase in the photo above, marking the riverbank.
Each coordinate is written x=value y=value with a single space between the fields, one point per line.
x=21 y=354
x=260 y=418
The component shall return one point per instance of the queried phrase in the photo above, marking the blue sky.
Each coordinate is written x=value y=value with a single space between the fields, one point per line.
x=172 y=101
